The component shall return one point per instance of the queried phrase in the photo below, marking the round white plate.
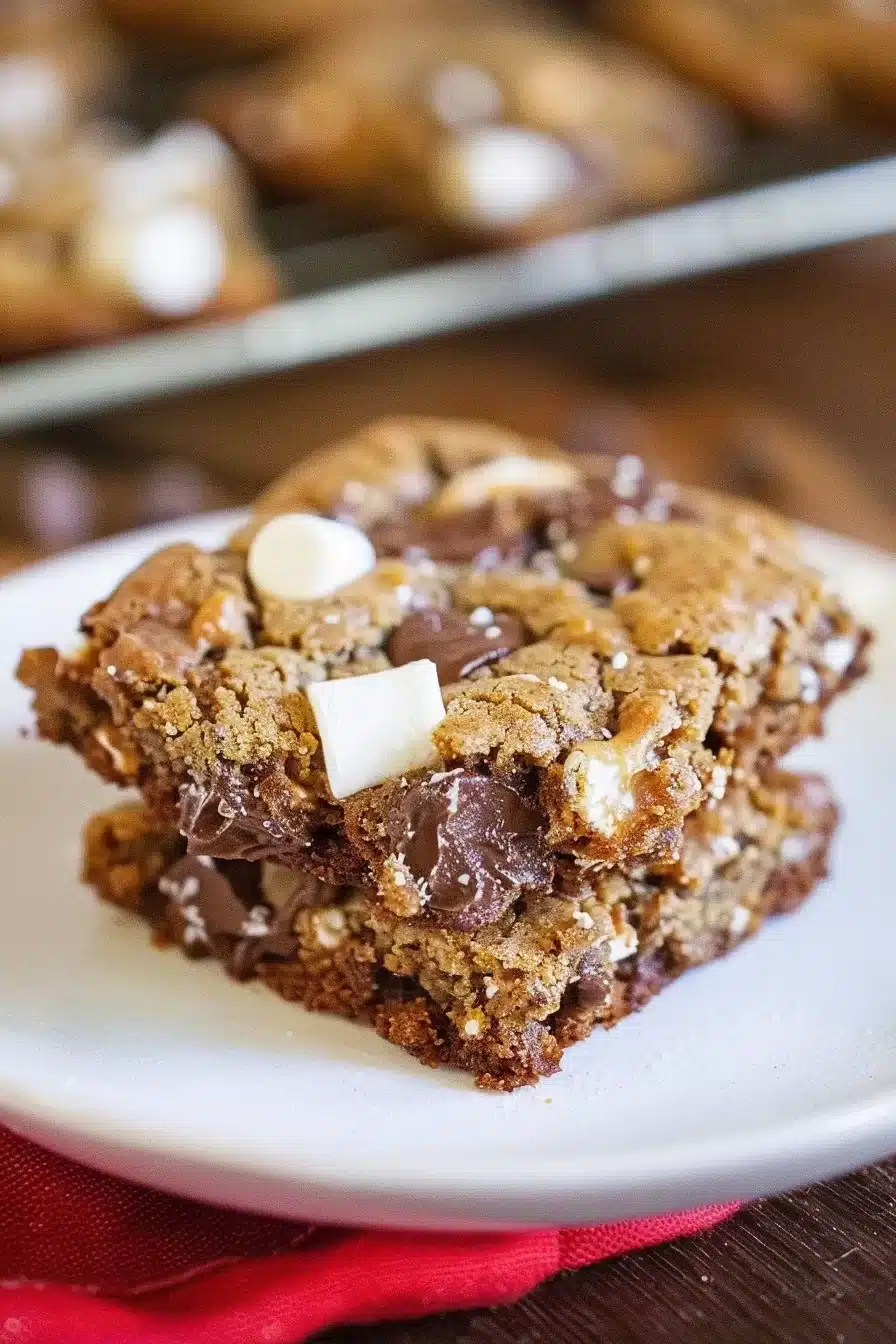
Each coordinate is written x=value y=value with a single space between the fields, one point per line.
x=766 y=1070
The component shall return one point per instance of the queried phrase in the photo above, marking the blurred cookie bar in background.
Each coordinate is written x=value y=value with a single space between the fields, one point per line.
x=710 y=433
x=57 y=492
x=105 y=237
x=486 y=126
x=242 y=25
x=58 y=63
x=782 y=63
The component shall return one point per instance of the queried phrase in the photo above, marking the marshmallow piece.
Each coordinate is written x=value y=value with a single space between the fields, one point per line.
x=505 y=174
x=515 y=474
x=599 y=780
x=378 y=726
x=176 y=262
x=300 y=556
x=599 y=775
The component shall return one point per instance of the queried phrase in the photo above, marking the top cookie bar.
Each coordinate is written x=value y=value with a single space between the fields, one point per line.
x=457 y=664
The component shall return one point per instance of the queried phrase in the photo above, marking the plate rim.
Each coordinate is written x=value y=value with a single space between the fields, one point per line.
x=744 y=1163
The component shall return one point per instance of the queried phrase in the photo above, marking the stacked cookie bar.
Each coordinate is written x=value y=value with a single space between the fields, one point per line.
x=462 y=735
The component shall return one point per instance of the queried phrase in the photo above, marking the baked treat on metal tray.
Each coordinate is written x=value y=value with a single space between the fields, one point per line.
x=785 y=63
x=101 y=237
x=477 y=680
x=492 y=127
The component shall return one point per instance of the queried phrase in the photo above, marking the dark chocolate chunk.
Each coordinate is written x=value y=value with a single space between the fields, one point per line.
x=271 y=935
x=595 y=982
x=486 y=536
x=474 y=843
x=614 y=488
x=455 y=643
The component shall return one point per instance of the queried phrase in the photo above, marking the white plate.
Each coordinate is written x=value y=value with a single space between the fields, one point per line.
x=766 y=1070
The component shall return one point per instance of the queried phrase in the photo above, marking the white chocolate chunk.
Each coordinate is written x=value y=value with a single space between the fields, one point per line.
x=300 y=556
x=176 y=260
x=600 y=782
x=623 y=945
x=378 y=726
x=740 y=920
x=515 y=474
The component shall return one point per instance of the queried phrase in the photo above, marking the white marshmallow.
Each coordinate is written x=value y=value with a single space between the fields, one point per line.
x=511 y=173
x=513 y=474
x=300 y=556
x=600 y=783
x=378 y=726
x=176 y=260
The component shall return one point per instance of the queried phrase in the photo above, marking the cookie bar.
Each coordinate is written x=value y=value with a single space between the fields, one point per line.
x=99 y=237
x=243 y=25
x=485 y=126
x=502 y=1001
x=455 y=664
x=778 y=62
x=58 y=63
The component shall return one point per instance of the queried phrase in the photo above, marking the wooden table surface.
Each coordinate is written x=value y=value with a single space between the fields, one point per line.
x=809 y=1268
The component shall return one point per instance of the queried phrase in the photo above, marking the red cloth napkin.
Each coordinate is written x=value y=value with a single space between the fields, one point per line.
x=89 y=1259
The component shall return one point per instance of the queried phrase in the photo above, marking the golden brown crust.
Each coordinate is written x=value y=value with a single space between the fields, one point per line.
x=661 y=656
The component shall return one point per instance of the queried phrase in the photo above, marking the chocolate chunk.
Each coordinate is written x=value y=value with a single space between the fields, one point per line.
x=615 y=488
x=211 y=916
x=270 y=935
x=455 y=643
x=225 y=819
x=595 y=982
x=608 y=582
x=207 y=899
x=487 y=536
x=473 y=843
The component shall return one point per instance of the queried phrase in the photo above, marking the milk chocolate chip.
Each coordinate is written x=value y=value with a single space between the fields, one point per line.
x=473 y=843
x=457 y=644
x=486 y=536
x=211 y=916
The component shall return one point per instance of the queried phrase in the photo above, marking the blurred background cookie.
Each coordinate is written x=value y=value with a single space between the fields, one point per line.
x=491 y=126
x=58 y=62
x=113 y=237
x=242 y=25
x=782 y=63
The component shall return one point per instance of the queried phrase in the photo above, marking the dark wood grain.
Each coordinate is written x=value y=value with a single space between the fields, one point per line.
x=816 y=1267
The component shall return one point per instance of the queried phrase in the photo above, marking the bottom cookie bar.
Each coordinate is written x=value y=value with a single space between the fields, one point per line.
x=503 y=1001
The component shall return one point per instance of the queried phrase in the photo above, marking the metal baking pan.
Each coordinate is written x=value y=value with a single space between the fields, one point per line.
x=352 y=292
